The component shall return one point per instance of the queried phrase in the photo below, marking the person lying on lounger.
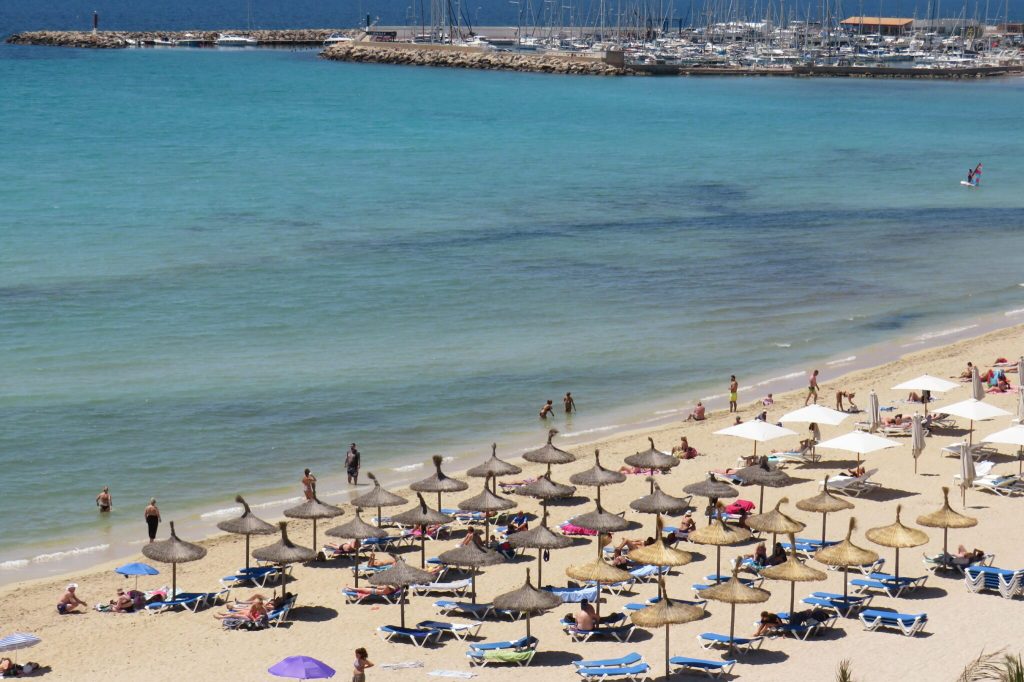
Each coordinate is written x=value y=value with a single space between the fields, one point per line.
x=778 y=556
x=386 y=560
x=123 y=603
x=345 y=547
x=757 y=560
x=855 y=472
x=965 y=558
x=769 y=621
x=686 y=526
x=373 y=590
x=897 y=420
x=257 y=609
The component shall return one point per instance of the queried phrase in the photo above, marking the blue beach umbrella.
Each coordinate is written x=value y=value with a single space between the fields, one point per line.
x=136 y=569
x=301 y=668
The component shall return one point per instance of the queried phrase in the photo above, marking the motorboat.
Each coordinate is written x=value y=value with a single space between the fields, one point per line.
x=229 y=40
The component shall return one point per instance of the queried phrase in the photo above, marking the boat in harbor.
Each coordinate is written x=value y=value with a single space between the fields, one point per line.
x=336 y=38
x=189 y=40
x=230 y=40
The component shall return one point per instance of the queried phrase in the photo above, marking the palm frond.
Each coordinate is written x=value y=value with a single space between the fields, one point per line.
x=843 y=672
x=1013 y=669
x=984 y=667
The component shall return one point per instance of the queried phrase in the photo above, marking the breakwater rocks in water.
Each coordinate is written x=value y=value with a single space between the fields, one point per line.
x=475 y=58
x=120 y=39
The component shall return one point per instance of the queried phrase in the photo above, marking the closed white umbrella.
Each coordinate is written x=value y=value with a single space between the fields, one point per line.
x=815 y=414
x=926 y=384
x=966 y=472
x=1011 y=436
x=757 y=431
x=874 y=414
x=860 y=442
x=977 y=390
x=1020 y=393
x=975 y=411
x=916 y=439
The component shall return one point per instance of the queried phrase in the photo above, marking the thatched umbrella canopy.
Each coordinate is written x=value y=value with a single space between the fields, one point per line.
x=897 y=536
x=488 y=503
x=539 y=537
x=356 y=529
x=598 y=571
x=421 y=516
x=473 y=556
x=173 y=551
x=945 y=518
x=665 y=613
x=764 y=474
x=439 y=482
x=735 y=592
x=549 y=454
x=794 y=571
x=401 y=575
x=652 y=459
x=845 y=554
x=494 y=467
x=313 y=509
x=545 y=489
x=378 y=497
x=659 y=502
x=527 y=599
x=823 y=503
x=601 y=521
x=658 y=554
x=711 y=489
x=719 y=534
x=284 y=551
x=775 y=522
x=247 y=524
x=597 y=476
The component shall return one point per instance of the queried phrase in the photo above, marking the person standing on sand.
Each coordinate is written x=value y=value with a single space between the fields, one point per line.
x=308 y=485
x=360 y=665
x=570 y=404
x=548 y=410
x=812 y=388
x=734 y=389
x=352 y=458
x=104 y=501
x=152 y=516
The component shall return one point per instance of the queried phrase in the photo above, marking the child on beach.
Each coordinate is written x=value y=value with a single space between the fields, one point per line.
x=360 y=665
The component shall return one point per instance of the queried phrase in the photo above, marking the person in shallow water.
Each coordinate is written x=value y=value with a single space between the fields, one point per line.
x=548 y=410
x=569 y=403
x=104 y=501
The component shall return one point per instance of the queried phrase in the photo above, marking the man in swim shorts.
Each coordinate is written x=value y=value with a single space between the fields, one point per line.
x=734 y=388
x=70 y=602
x=812 y=388
x=104 y=501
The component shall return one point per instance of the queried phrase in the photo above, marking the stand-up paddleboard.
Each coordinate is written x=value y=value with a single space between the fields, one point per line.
x=968 y=184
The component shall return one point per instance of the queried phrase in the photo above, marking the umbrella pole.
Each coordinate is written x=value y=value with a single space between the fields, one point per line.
x=824 y=516
x=599 y=494
x=314 y=536
x=472 y=578
x=667 y=626
x=897 y=563
x=540 y=566
x=527 y=623
x=652 y=481
x=846 y=580
x=355 y=565
x=718 y=564
x=247 y=552
x=438 y=500
x=761 y=501
x=423 y=547
x=732 y=626
x=401 y=604
x=379 y=521
x=792 y=598
x=174 y=581
x=945 y=537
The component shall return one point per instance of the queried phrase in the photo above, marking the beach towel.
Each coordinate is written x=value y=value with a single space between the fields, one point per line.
x=573 y=529
x=569 y=595
x=740 y=507
x=452 y=673
x=401 y=666
x=508 y=656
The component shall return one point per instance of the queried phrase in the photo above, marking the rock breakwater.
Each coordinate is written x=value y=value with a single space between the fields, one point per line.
x=122 y=39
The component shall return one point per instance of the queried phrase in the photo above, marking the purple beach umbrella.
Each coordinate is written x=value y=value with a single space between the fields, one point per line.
x=301 y=668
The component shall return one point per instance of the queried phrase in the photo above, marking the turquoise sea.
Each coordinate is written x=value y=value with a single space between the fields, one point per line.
x=219 y=267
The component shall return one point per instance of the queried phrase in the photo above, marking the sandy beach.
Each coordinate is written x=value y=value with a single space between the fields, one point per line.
x=183 y=645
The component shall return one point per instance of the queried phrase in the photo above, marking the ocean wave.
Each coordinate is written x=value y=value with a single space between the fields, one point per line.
x=782 y=345
x=841 y=361
x=409 y=467
x=928 y=336
x=1011 y=313
x=13 y=564
x=672 y=411
x=597 y=429
x=276 y=503
x=791 y=375
x=448 y=459
x=59 y=556
x=226 y=511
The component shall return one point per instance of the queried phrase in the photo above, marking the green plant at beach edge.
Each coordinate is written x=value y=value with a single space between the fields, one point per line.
x=998 y=666
x=843 y=672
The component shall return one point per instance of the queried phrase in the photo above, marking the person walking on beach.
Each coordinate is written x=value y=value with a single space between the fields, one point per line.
x=570 y=404
x=812 y=388
x=308 y=485
x=104 y=501
x=360 y=665
x=548 y=410
x=352 y=458
x=734 y=389
x=152 y=516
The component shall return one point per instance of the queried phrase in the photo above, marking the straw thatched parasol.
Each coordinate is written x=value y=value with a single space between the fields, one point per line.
x=734 y=592
x=719 y=534
x=845 y=554
x=473 y=555
x=247 y=524
x=527 y=599
x=897 y=536
x=712 y=489
x=173 y=551
x=421 y=516
x=549 y=454
x=539 y=537
x=494 y=467
x=598 y=571
x=764 y=474
x=775 y=522
x=401 y=575
x=313 y=509
x=658 y=554
x=794 y=571
x=823 y=503
x=597 y=476
x=356 y=529
x=652 y=459
x=488 y=503
x=659 y=502
x=601 y=521
x=284 y=551
x=545 y=489
x=945 y=518
x=665 y=613
x=439 y=482
x=378 y=497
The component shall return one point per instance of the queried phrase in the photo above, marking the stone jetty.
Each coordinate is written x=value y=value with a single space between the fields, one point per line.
x=454 y=56
x=121 y=39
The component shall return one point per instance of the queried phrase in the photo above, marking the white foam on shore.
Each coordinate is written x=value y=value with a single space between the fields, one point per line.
x=409 y=467
x=782 y=345
x=77 y=551
x=598 y=429
x=791 y=375
x=928 y=336
x=841 y=361
x=674 y=410
x=226 y=511
x=1010 y=313
x=13 y=564
x=276 y=503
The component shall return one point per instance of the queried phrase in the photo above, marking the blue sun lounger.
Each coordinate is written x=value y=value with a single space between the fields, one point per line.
x=574 y=595
x=458 y=630
x=417 y=636
x=193 y=601
x=447 y=607
x=620 y=633
x=514 y=645
x=635 y=606
x=356 y=597
x=633 y=673
x=1006 y=582
x=883 y=582
x=709 y=668
x=709 y=640
x=628 y=659
x=906 y=623
x=843 y=606
x=261 y=576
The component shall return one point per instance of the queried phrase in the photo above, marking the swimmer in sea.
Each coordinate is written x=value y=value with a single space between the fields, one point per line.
x=104 y=501
x=548 y=410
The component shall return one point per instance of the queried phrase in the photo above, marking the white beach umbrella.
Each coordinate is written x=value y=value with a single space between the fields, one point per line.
x=860 y=442
x=757 y=431
x=926 y=382
x=874 y=414
x=975 y=411
x=977 y=390
x=18 y=640
x=917 y=439
x=815 y=414
x=966 y=472
x=1011 y=436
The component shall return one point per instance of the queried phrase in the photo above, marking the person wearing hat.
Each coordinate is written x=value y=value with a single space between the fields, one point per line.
x=683 y=531
x=70 y=602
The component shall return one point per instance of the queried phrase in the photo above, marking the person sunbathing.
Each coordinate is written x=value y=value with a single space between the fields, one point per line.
x=778 y=556
x=516 y=484
x=897 y=420
x=345 y=547
x=519 y=522
x=756 y=561
x=373 y=590
x=769 y=621
x=256 y=610
x=9 y=668
x=686 y=526
x=855 y=472
x=123 y=603
x=630 y=544
x=625 y=469
x=729 y=471
x=968 y=373
x=965 y=558
x=684 y=450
